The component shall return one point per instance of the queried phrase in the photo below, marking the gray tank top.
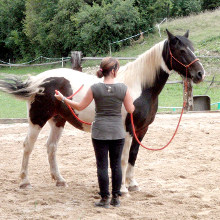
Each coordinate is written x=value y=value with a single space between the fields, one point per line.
x=108 y=102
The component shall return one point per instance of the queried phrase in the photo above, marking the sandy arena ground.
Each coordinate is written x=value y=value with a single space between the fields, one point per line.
x=180 y=182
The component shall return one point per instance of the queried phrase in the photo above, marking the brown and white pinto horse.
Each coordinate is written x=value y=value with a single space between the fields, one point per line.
x=145 y=78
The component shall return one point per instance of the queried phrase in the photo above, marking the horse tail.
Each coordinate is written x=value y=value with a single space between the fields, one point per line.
x=20 y=89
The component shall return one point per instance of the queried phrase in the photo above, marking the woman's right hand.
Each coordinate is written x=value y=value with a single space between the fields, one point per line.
x=58 y=95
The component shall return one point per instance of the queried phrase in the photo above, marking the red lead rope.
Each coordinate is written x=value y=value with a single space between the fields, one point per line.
x=69 y=97
x=84 y=122
x=132 y=121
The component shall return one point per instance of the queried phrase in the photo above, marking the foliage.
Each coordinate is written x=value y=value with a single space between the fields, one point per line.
x=91 y=2
x=152 y=11
x=63 y=33
x=108 y=23
x=11 y=28
x=30 y=28
x=210 y=4
x=185 y=7
x=37 y=25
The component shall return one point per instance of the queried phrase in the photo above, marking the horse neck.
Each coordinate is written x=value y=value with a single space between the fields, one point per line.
x=159 y=83
x=162 y=73
x=144 y=69
x=148 y=71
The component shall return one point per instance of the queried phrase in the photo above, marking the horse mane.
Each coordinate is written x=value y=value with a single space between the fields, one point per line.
x=144 y=69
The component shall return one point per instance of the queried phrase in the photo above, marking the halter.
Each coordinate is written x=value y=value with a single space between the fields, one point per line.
x=186 y=66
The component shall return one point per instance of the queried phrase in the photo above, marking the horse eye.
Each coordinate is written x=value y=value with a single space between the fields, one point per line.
x=182 y=51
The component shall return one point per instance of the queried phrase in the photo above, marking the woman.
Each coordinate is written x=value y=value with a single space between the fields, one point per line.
x=108 y=134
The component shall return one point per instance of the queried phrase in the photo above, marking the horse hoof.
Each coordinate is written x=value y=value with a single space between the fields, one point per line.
x=25 y=186
x=61 y=184
x=125 y=194
x=133 y=188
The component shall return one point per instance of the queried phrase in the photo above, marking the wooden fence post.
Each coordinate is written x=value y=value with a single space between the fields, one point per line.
x=76 y=60
x=188 y=96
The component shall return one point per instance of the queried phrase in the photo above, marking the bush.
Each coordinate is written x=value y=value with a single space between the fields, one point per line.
x=11 y=28
x=98 y=26
x=210 y=4
x=185 y=7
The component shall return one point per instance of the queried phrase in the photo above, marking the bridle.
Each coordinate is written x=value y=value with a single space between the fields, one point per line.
x=186 y=66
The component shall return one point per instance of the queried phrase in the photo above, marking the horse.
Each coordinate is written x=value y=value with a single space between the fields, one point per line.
x=145 y=77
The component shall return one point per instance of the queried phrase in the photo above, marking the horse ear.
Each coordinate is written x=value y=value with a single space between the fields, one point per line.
x=186 y=34
x=173 y=40
x=170 y=36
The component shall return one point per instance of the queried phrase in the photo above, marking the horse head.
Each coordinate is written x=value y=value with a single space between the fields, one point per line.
x=182 y=58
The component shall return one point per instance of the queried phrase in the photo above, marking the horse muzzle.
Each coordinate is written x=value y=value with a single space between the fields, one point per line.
x=198 y=77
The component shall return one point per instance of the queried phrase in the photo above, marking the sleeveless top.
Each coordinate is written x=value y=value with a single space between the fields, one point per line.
x=108 y=103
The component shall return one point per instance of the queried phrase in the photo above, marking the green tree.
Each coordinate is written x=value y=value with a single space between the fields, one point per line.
x=152 y=11
x=185 y=7
x=37 y=25
x=63 y=35
x=12 y=39
x=210 y=4
x=97 y=26
x=91 y=2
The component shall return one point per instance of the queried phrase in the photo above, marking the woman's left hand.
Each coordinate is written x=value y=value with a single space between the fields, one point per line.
x=58 y=95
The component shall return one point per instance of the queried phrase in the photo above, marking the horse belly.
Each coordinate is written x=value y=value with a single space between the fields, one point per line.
x=87 y=115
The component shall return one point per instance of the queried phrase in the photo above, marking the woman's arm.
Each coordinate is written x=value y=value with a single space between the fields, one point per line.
x=128 y=102
x=77 y=105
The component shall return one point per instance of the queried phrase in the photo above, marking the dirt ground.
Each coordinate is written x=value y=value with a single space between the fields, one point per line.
x=180 y=182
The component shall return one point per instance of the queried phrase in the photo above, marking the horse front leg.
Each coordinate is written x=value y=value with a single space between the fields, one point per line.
x=132 y=183
x=124 y=163
x=57 y=125
x=33 y=132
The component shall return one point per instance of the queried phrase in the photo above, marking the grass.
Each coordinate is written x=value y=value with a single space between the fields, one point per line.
x=11 y=107
x=204 y=35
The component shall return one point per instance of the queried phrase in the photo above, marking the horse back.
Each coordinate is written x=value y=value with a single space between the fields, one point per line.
x=44 y=106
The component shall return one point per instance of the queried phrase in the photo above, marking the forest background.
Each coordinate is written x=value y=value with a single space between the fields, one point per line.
x=53 y=28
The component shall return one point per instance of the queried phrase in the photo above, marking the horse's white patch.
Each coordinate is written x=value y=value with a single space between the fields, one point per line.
x=191 y=52
x=142 y=71
x=135 y=75
x=203 y=76
x=54 y=137
x=33 y=132
x=164 y=67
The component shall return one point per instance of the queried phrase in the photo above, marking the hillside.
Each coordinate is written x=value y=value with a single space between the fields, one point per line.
x=204 y=33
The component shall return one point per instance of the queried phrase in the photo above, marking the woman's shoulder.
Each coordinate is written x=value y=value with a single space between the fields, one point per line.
x=122 y=86
x=95 y=85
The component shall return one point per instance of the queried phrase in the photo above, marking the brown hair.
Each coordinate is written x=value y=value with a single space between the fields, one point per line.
x=106 y=66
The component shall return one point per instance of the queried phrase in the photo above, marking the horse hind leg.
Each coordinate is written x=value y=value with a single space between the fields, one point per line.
x=33 y=132
x=57 y=124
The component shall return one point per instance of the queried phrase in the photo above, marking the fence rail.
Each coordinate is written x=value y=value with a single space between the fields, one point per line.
x=76 y=60
x=66 y=59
